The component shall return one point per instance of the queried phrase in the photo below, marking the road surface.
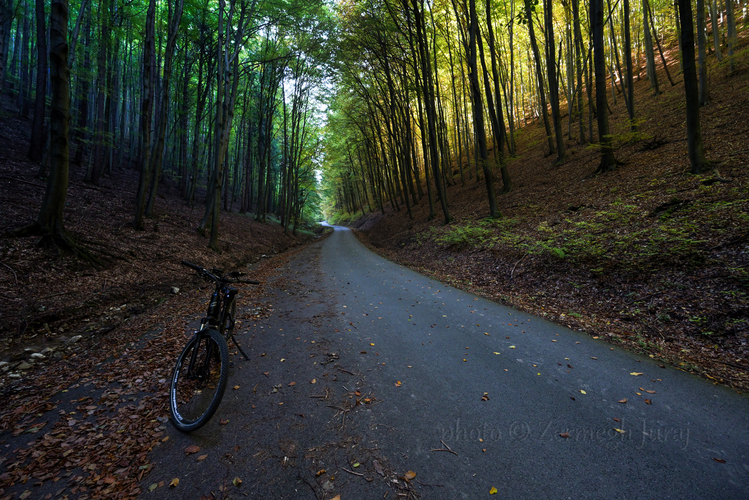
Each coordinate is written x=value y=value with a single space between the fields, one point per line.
x=415 y=377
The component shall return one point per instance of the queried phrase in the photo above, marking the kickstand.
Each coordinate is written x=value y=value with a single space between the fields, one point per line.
x=240 y=348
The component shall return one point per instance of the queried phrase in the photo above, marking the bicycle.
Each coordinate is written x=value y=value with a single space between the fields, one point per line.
x=202 y=369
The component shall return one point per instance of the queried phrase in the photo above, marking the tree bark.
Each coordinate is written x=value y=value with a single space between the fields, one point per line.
x=539 y=73
x=630 y=72
x=50 y=219
x=478 y=110
x=649 y=54
x=701 y=55
x=149 y=47
x=553 y=82
x=157 y=155
x=694 y=134
x=38 y=140
x=714 y=20
x=607 y=155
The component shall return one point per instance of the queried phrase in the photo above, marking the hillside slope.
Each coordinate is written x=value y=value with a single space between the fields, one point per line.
x=648 y=256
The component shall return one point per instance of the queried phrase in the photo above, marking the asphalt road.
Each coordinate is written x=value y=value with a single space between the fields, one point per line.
x=413 y=375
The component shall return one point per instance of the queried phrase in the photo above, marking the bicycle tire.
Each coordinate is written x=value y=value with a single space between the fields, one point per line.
x=228 y=316
x=195 y=397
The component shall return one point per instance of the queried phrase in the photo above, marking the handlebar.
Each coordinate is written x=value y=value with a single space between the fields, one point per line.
x=215 y=274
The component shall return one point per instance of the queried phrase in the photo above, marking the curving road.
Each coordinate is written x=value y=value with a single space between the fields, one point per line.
x=468 y=394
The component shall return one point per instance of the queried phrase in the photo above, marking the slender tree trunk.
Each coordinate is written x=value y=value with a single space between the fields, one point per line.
x=478 y=109
x=24 y=81
x=50 y=220
x=553 y=81
x=539 y=74
x=80 y=133
x=38 y=140
x=714 y=20
x=579 y=65
x=157 y=155
x=6 y=25
x=694 y=134
x=149 y=47
x=701 y=55
x=607 y=155
x=499 y=153
x=649 y=54
x=731 y=20
x=628 y=61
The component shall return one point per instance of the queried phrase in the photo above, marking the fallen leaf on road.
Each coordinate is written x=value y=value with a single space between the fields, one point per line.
x=636 y=374
x=337 y=497
x=512 y=347
x=223 y=422
x=313 y=381
x=321 y=472
x=565 y=435
x=649 y=392
x=409 y=475
x=493 y=491
x=495 y=352
x=648 y=402
x=485 y=397
x=192 y=449
x=174 y=482
x=153 y=487
x=583 y=392
x=236 y=387
x=623 y=400
x=202 y=457
x=397 y=383
x=292 y=384
x=237 y=482
x=619 y=430
x=371 y=343
x=719 y=460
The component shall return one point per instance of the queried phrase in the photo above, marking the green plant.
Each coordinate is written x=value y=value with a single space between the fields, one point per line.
x=467 y=235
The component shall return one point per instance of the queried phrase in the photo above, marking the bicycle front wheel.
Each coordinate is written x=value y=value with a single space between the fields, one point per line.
x=199 y=380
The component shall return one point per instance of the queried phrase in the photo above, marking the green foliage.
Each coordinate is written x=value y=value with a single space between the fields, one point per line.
x=467 y=236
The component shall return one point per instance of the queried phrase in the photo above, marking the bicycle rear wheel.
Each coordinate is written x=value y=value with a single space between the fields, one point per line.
x=199 y=380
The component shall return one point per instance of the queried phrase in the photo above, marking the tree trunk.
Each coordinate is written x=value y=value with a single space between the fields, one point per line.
x=701 y=55
x=579 y=64
x=694 y=134
x=80 y=133
x=499 y=153
x=731 y=20
x=539 y=74
x=628 y=61
x=157 y=155
x=607 y=155
x=553 y=82
x=714 y=20
x=149 y=47
x=38 y=139
x=24 y=80
x=478 y=110
x=649 y=54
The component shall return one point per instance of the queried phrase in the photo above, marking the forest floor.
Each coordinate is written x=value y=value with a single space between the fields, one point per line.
x=67 y=329
x=648 y=256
